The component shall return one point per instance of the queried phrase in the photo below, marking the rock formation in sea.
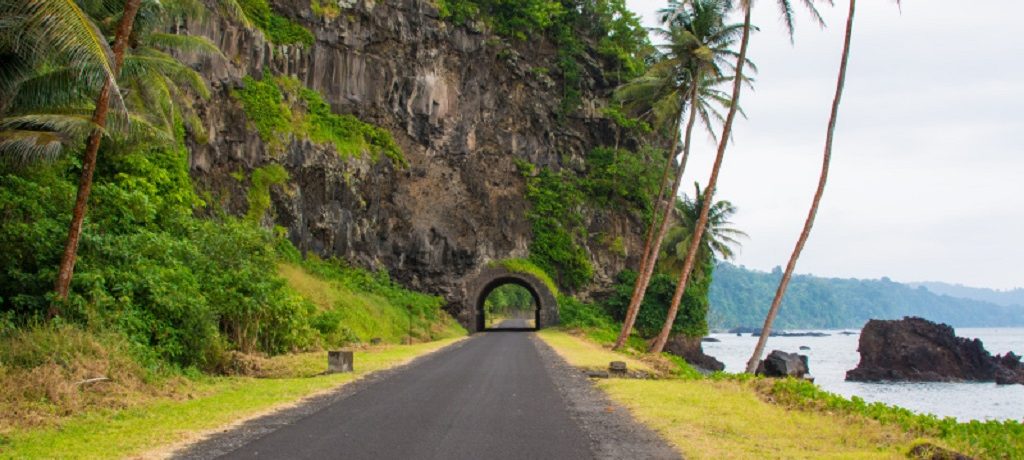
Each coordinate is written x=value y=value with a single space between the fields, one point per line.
x=917 y=350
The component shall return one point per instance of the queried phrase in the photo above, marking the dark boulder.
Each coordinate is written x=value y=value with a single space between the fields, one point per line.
x=690 y=349
x=782 y=364
x=710 y=340
x=918 y=350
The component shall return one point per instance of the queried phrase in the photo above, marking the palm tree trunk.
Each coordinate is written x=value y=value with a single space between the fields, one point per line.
x=640 y=287
x=92 y=146
x=709 y=191
x=809 y=223
x=647 y=268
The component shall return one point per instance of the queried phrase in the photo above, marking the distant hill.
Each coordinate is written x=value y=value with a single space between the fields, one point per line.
x=1013 y=297
x=741 y=297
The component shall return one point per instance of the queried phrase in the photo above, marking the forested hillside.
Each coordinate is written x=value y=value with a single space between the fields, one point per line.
x=1013 y=297
x=740 y=297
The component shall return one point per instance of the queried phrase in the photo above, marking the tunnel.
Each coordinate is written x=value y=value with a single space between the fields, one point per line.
x=490 y=278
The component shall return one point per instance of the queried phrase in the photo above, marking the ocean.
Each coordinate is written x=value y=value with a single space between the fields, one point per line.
x=830 y=357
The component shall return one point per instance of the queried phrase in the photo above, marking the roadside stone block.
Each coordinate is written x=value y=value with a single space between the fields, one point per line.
x=617 y=368
x=340 y=361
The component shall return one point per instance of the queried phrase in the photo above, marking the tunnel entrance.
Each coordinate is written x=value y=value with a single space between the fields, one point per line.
x=492 y=279
x=511 y=307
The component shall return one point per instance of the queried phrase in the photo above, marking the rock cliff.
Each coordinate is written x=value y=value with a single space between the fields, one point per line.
x=462 y=104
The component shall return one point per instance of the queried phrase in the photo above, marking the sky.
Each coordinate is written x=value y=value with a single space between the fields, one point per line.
x=927 y=178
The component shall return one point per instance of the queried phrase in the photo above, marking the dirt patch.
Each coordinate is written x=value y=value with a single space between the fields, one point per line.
x=613 y=432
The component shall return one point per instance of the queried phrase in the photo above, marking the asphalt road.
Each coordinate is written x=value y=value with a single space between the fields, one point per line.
x=514 y=323
x=490 y=398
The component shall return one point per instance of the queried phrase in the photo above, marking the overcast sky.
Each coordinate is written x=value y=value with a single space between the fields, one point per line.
x=928 y=163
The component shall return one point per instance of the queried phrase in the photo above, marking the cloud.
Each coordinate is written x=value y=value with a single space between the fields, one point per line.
x=926 y=179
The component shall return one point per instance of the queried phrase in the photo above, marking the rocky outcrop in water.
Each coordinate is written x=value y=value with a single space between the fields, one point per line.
x=918 y=350
x=462 y=104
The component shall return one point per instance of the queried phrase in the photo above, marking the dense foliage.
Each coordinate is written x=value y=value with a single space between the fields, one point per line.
x=693 y=310
x=739 y=297
x=182 y=290
x=615 y=179
x=509 y=299
x=278 y=29
x=282 y=107
x=606 y=28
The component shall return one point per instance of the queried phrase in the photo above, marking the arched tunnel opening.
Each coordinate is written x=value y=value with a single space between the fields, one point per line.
x=508 y=304
x=523 y=288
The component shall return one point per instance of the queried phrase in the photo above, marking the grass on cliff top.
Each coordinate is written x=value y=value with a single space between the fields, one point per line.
x=728 y=418
x=156 y=428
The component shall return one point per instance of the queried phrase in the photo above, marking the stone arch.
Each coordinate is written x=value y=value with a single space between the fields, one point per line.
x=480 y=286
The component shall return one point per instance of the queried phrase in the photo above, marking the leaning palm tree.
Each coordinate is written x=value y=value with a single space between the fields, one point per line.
x=773 y=311
x=696 y=60
x=92 y=147
x=723 y=141
x=719 y=240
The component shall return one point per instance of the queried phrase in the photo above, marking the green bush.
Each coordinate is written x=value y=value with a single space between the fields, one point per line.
x=691 y=319
x=278 y=29
x=557 y=222
x=282 y=107
x=265 y=108
x=258 y=196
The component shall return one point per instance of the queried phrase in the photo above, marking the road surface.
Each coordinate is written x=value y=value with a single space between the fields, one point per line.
x=490 y=398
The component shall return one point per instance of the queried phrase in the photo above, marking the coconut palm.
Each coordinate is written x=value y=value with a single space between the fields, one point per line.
x=786 y=9
x=49 y=96
x=719 y=239
x=695 y=61
x=787 y=275
x=36 y=35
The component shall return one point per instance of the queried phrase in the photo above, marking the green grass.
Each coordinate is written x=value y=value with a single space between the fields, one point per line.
x=212 y=403
x=529 y=268
x=282 y=107
x=990 y=439
x=725 y=419
x=365 y=307
x=586 y=354
x=729 y=418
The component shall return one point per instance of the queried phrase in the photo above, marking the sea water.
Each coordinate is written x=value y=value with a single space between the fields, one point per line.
x=830 y=357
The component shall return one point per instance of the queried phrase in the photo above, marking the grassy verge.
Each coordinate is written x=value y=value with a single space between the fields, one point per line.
x=728 y=418
x=211 y=404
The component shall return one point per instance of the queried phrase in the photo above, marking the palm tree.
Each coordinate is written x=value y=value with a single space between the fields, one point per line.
x=773 y=311
x=719 y=239
x=92 y=147
x=694 y=63
x=723 y=141
x=36 y=35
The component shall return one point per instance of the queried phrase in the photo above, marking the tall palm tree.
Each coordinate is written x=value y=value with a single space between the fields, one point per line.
x=696 y=58
x=773 y=311
x=719 y=239
x=723 y=141
x=92 y=147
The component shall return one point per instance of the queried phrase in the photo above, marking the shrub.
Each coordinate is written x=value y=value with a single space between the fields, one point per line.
x=278 y=29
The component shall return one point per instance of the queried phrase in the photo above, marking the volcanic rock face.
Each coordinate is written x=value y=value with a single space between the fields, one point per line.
x=462 y=105
x=690 y=349
x=918 y=350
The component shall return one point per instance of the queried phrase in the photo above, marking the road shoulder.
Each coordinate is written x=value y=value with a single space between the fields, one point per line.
x=613 y=432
